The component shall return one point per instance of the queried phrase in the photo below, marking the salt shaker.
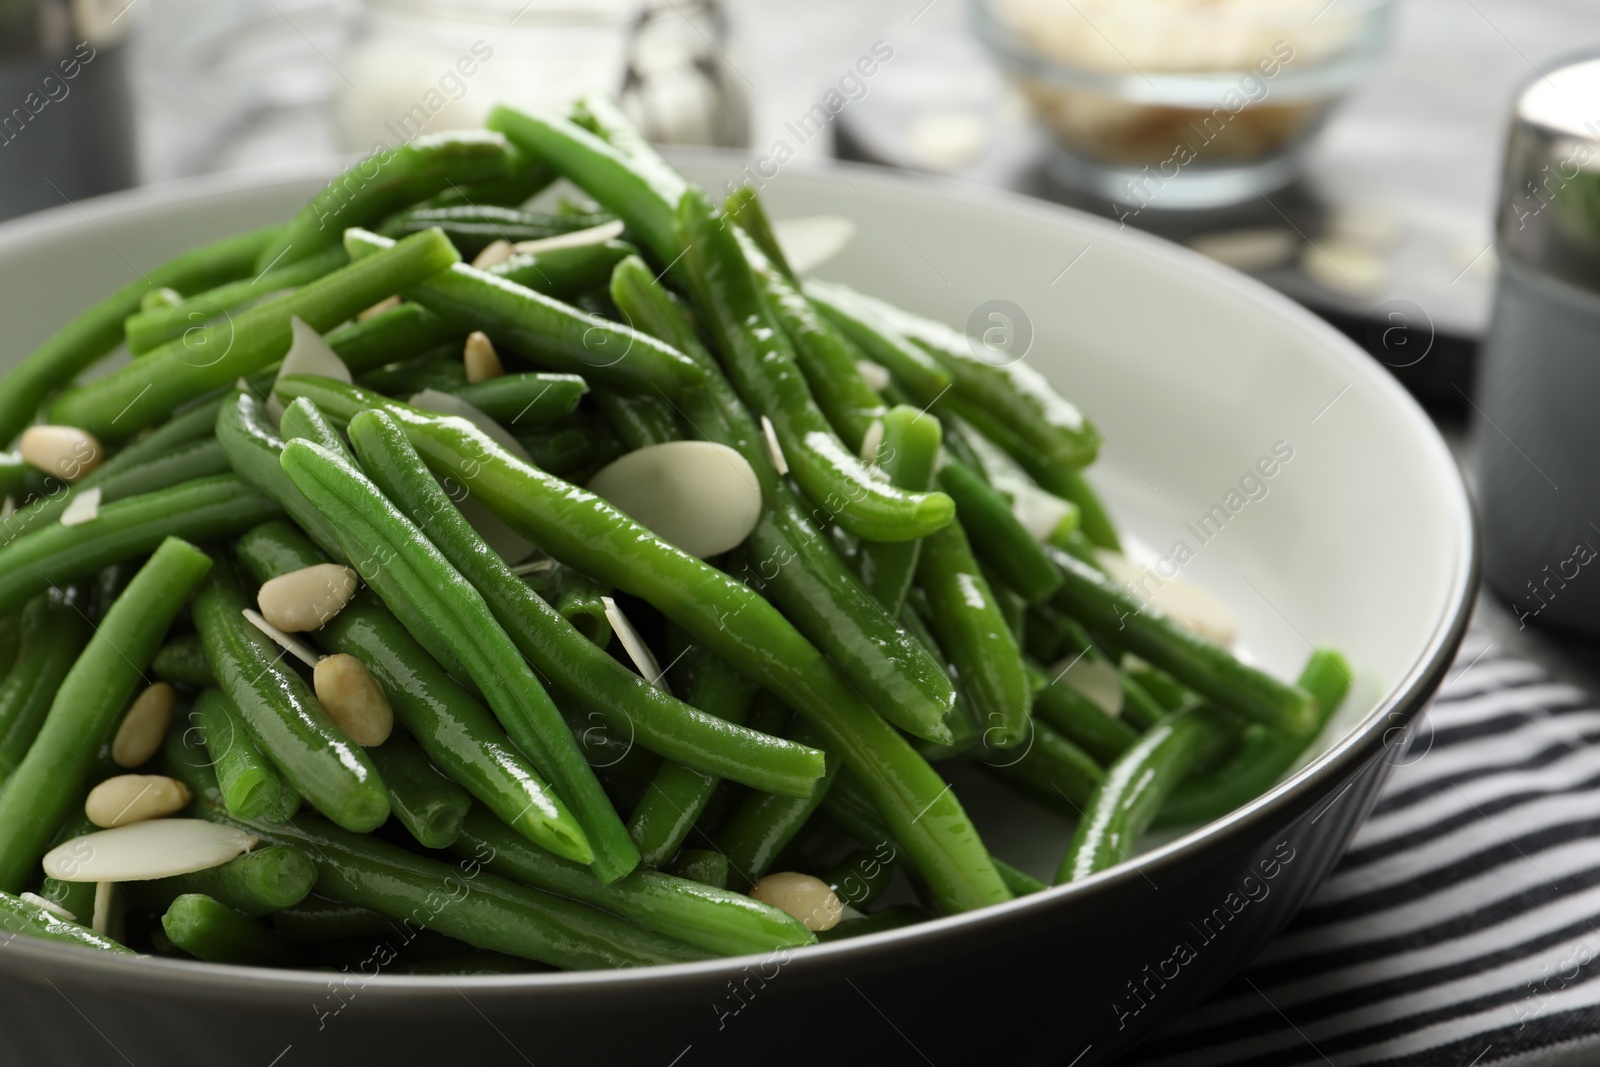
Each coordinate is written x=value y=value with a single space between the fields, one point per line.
x=1537 y=424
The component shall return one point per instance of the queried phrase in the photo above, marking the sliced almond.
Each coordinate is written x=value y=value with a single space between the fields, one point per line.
x=507 y=543
x=131 y=798
x=480 y=359
x=298 y=649
x=83 y=507
x=48 y=905
x=633 y=644
x=105 y=904
x=811 y=241
x=310 y=355
x=494 y=253
x=1039 y=512
x=1189 y=605
x=1092 y=678
x=774 y=447
x=64 y=451
x=594 y=235
x=304 y=600
x=388 y=303
x=803 y=896
x=871 y=442
x=353 y=699
x=160 y=848
x=144 y=728
x=876 y=375
x=698 y=495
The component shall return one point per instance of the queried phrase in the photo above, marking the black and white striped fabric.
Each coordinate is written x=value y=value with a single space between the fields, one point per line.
x=1462 y=928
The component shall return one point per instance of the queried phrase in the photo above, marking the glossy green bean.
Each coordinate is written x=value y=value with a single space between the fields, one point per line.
x=526 y=176
x=203 y=509
x=144 y=391
x=678 y=795
x=525 y=401
x=1049 y=768
x=1021 y=882
x=10 y=641
x=18 y=916
x=88 y=703
x=760 y=362
x=86 y=339
x=382 y=184
x=912 y=368
x=1000 y=540
x=1135 y=786
x=1094 y=599
x=731 y=620
x=893 y=918
x=54 y=632
x=639 y=420
x=429 y=805
x=257 y=883
x=908 y=454
x=581 y=601
x=583 y=674
x=209 y=930
x=762 y=826
x=861 y=877
x=716 y=920
x=745 y=208
x=564 y=273
x=151 y=328
x=974 y=634
x=701 y=865
x=472 y=227
x=785 y=557
x=1262 y=756
x=401 y=333
x=1081 y=721
x=182 y=661
x=402 y=566
x=320 y=919
x=281 y=713
x=252 y=787
x=573 y=452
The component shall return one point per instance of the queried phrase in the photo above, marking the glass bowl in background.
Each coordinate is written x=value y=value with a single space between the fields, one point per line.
x=1181 y=103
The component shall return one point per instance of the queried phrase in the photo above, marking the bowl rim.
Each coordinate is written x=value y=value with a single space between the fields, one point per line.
x=1299 y=793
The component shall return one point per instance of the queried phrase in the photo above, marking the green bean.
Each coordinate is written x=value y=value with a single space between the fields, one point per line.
x=678 y=795
x=1080 y=720
x=731 y=620
x=600 y=115
x=182 y=661
x=83 y=341
x=763 y=825
x=745 y=208
x=1171 y=694
x=1135 y=786
x=194 y=423
x=786 y=558
x=163 y=297
x=403 y=566
x=643 y=201
x=573 y=452
x=398 y=177
x=992 y=389
x=826 y=358
x=526 y=176
x=10 y=641
x=541 y=327
x=54 y=554
x=1020 y=882
x=88 y=703
x=1094 y=599
x=186 y=462
x=701 y=865
x=639 y=420
x=1050 y=769
x=440 y=367
x=580 y=600
x=761 y=364
x=319 y=919
x=252 y=786
x=901 y=915
x=400 y=333
x=581 y=673
x=466 y=902
x=54 y=632
x=973 y=632
x=564 y=273
x=257 y=883
x=910 y=449
x=137 y=395
x=1001 y=541
x=526 y=401
x=911 y=367
x=1262 y=756
x=18 y=916
x=151 y=328
x=281 y=713
x=429 y=805
x=13 y=471
x=209 y=930
x=860 y=877
x=716 y=920
x=472 y=227
x=1012 y=607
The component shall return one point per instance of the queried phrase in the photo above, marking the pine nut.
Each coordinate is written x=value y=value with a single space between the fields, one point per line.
x=129 y=798
x=353 y=699
x=494 y=253
x=307 y=598
x=388 y=303
x=65 y=451
x=480 y=358
x=144 y=727
x=806 y=898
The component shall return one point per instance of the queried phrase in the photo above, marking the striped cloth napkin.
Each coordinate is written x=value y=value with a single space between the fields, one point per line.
x=1462 y=927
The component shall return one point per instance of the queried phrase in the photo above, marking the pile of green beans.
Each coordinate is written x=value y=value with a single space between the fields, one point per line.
x=547 y=797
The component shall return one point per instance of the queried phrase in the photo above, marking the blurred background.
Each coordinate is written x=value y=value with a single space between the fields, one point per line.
x=1353 y=154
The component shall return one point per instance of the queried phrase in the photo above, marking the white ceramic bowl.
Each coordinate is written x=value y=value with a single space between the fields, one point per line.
x=1362 y=541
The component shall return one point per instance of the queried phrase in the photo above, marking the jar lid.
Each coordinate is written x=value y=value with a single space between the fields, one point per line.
x=1550 y=199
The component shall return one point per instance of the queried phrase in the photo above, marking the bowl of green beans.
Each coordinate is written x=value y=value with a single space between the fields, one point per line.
x=525 y=585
